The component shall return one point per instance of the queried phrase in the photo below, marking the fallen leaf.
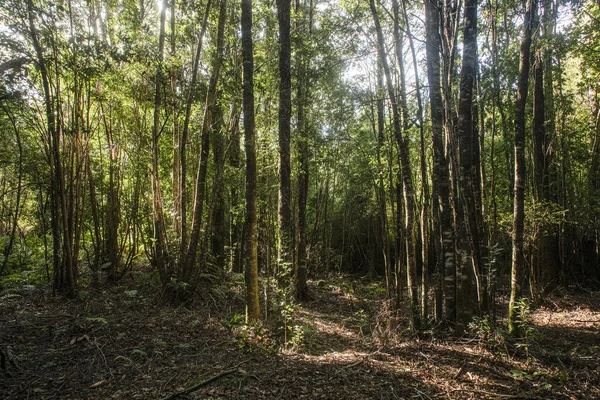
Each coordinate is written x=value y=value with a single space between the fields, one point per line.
x=95 y=385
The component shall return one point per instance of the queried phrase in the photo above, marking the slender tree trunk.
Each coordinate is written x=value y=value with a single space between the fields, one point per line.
x=518 y=259
x=176 y=167
x=381 y=187
x=113 y=203
x=161 y=256
x=301 y=287
x=185 y=133
x=409 y=195
x=470 y=263
x=547 y=254
x=235 y=160
x=251 y=248
x=64 y=279
x=425 y=239
x=15 y=220
x=211 y=99
x=444 y=275
x=217 y=220
x=284 y=220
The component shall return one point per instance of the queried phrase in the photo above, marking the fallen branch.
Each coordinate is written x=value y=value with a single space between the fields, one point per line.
x=200 y=385
x=499 y=395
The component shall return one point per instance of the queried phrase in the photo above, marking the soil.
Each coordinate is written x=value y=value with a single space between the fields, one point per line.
x=122 y=342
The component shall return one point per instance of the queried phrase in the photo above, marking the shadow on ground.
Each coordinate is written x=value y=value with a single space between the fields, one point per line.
x=119 y=344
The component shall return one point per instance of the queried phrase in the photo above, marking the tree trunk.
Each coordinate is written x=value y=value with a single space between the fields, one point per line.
x=518 y=259
x=161 y=256
x=189 y=260
x=444 y=275
x=251 y=248
x=15 y=220
x=184 y=135
x=470 y=263
x=64 y=278
x=235 y=160
x=284 y=220
x=423 y=166
x=301 y=287
x=381 y=186
x=408 y=192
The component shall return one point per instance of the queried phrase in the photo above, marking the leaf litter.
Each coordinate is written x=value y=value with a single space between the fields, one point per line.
x=350 y=344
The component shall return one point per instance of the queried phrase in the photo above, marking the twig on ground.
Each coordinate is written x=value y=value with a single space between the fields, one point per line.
x=505 y=396
x=421 y=394
x=200 y=385
x=356 y=363
x=104 y=357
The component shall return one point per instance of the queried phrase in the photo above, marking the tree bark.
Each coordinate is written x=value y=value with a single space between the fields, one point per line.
x=251 y=247
x=518 y=259
x=161 y=256
x=284 y=220
x=469 y=245
x=189 y=261
x=408 y=192
x=15 y=219
x=185 y=133
x=444 y=277
x=64 y=278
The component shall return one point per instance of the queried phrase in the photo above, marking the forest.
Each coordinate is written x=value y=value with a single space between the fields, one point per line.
x=328 y=199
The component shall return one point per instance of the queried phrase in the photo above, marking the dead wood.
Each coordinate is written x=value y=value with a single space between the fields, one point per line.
x=200 y=385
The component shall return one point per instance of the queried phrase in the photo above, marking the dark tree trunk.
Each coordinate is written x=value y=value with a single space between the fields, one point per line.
x=444 y=277
x=284 y=219
x=235 y=160
x=408 y=191
x=251 y=247
x=518 y=259
x=17 y=210
x=182 y=207
x=189 y=261
x=64 y=273
x=303 y=93
x=217 y=219
x=469 y=246
x=160 y=251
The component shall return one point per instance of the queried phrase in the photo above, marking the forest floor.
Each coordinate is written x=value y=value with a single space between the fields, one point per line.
x=119 y=342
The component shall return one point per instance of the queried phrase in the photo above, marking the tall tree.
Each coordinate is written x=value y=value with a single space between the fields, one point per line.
x=442 y=214
x=518 y=258
x=408 y=191
x=251 y=231
x=284 y=215
x=182 y=203
x=303 y=96
x=160 y=249
x=207 y=127
x=545 y=264
x=469 y=267
x=64 y=271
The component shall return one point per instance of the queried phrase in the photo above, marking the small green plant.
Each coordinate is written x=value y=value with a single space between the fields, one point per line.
x=491 y=336
x=250 y=336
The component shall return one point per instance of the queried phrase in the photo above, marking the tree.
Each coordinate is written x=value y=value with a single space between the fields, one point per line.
x=182 y=192
x=251 y=247
x=161 y=256
x=65 y=276
x=445 y=272
x=284 y=214
x=469 y=268
x=408 y=192
x=518 y=259
x=207 y=127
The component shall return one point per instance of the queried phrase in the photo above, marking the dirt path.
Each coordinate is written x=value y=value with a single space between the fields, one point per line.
x=118 y=344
